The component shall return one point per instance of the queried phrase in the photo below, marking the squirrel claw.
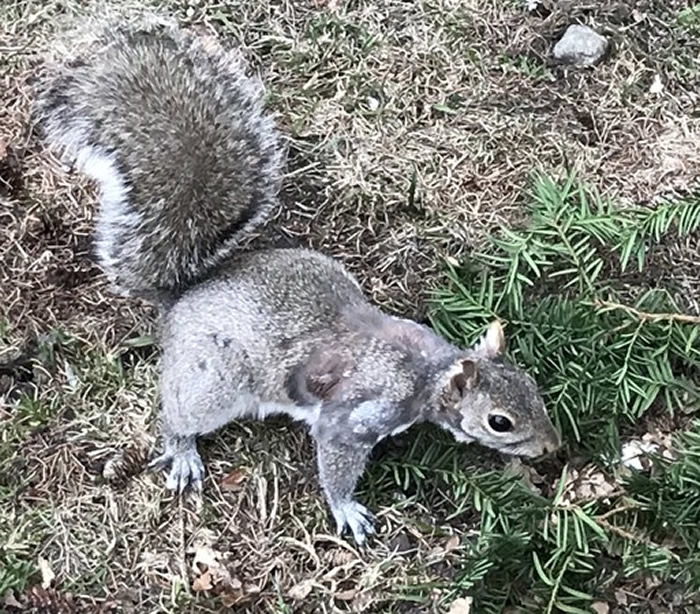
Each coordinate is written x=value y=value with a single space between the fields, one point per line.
x=186 y=470
x=356 y=517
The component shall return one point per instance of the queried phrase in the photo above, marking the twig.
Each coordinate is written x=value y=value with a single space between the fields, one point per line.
x=617 y=510
x=646 y=316
x=182 y=551
x=641 y=539
x=624 y=533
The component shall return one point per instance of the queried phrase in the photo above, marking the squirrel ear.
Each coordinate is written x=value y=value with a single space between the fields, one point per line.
x=493 y=343
x=464 y=377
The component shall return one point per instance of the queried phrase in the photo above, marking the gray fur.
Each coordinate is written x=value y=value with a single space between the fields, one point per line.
x=290 y=330
x=188 y=164
x=174 y=133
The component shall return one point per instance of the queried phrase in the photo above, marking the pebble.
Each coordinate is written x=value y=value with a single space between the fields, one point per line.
x=580 y=46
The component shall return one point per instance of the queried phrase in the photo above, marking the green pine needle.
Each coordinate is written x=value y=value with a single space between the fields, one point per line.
x=603 y=356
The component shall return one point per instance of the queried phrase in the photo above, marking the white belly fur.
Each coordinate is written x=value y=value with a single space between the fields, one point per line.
x=300 y=413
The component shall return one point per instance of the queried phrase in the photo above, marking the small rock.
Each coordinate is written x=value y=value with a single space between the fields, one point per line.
x=657 y=85
x=581 y=46
x=461 y=606
x=600 y=607
x=47 y=574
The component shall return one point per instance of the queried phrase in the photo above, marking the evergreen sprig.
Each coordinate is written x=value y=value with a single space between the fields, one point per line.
x=602 y=363
x=603 y=357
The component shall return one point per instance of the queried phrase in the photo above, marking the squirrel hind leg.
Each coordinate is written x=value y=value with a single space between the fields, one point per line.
x=181 y=461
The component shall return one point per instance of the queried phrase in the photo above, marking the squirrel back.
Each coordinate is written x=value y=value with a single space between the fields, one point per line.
x=175 y=134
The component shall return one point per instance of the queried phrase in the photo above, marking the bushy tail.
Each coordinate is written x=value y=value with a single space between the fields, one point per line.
x=176 y=136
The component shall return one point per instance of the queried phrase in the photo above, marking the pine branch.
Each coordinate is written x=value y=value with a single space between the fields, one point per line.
x=599 y=363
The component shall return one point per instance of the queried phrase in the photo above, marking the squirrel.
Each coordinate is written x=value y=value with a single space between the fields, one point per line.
x=188 y=162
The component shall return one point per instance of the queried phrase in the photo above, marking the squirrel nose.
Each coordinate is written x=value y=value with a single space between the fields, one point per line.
x=552 y=444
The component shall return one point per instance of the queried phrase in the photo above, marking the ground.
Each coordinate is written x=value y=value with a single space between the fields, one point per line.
x=414 y=129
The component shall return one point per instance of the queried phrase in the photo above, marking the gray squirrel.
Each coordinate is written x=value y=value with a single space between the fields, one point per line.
x=188 y=163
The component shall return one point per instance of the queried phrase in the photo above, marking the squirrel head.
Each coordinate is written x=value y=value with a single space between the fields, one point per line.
x=483 y=398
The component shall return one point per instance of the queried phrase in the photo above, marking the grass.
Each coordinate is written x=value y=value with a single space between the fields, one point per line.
x=689 y=17
x=415 y=129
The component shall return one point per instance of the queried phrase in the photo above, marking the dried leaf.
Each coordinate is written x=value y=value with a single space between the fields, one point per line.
x=621 y=597
x=529 y=475
x=204 y=555
x=233 y=597
x=47 y=574
x=203 y=582
x=652 y=582
x=461 y=606
x=233 y=481
x=588 y=484
x=452 y=543
x=300 y=591
x=11 y=602
x=600 y=607
x=635 y=454
x=207 y=559
x=235 y=592
x=347 y=595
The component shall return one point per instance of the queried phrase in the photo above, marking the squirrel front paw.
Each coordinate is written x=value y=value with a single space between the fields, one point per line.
x=186 y=469
x=355 y=516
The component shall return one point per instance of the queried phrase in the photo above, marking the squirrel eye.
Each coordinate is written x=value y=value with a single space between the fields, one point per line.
x=500 y=423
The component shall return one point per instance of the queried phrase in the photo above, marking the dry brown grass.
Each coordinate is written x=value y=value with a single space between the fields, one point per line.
x=414 y=128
